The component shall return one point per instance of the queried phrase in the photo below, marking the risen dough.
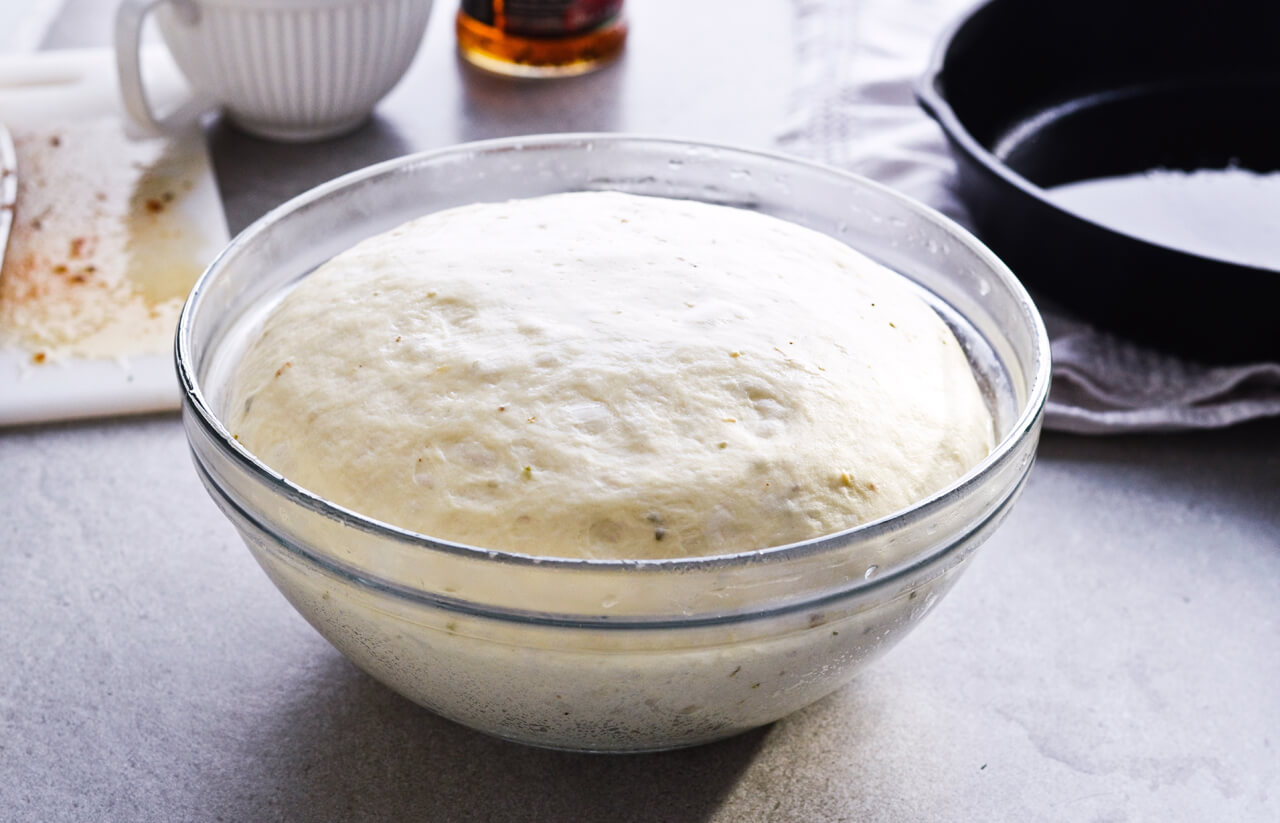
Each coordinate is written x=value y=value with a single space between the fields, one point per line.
x=613 y=376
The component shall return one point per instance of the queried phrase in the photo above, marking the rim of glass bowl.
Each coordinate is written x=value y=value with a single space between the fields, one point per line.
x=1037 y=392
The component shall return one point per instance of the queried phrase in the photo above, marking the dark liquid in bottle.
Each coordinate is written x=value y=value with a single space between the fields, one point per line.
x=540 y=38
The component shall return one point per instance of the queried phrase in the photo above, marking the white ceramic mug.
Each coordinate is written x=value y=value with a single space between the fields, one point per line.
x=284 y=69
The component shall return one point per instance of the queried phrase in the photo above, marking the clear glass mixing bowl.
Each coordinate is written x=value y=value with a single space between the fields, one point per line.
x=612 y=655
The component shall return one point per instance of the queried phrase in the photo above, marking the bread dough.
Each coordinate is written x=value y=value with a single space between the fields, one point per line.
x=608 y=375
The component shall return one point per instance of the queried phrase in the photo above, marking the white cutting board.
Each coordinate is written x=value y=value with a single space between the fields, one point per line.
x=82 y=84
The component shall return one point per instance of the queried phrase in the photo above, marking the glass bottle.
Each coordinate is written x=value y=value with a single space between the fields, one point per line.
x=540 y=38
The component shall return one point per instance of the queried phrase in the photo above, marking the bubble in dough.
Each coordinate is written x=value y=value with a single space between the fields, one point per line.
x=608 y=375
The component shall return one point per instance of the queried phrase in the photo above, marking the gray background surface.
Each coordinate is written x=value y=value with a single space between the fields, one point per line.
x=1111 y=655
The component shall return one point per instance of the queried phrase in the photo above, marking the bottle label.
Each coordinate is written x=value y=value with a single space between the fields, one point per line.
x=543 y=18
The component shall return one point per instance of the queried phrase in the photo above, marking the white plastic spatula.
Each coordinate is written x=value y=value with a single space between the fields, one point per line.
x=8 y=188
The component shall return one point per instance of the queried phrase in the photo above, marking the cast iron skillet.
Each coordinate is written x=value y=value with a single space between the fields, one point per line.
x=1036 y=93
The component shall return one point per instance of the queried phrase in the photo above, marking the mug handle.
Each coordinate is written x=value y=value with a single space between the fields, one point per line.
x=128 y=35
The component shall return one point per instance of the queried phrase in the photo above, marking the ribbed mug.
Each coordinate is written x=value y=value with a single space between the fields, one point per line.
x=283 y=69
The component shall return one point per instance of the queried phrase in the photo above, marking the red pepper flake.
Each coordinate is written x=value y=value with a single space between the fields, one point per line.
x=502 y=408
x=38 y=358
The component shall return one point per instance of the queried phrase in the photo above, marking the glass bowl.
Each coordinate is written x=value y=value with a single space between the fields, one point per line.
x=595 y=655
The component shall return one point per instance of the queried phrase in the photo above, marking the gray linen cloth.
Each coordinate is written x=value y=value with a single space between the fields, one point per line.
x=854 y=108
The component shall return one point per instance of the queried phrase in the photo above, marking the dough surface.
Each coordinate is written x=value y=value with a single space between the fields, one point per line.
x=611 y=376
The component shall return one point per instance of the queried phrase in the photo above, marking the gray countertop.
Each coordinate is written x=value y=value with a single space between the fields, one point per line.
x=1111 y=655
